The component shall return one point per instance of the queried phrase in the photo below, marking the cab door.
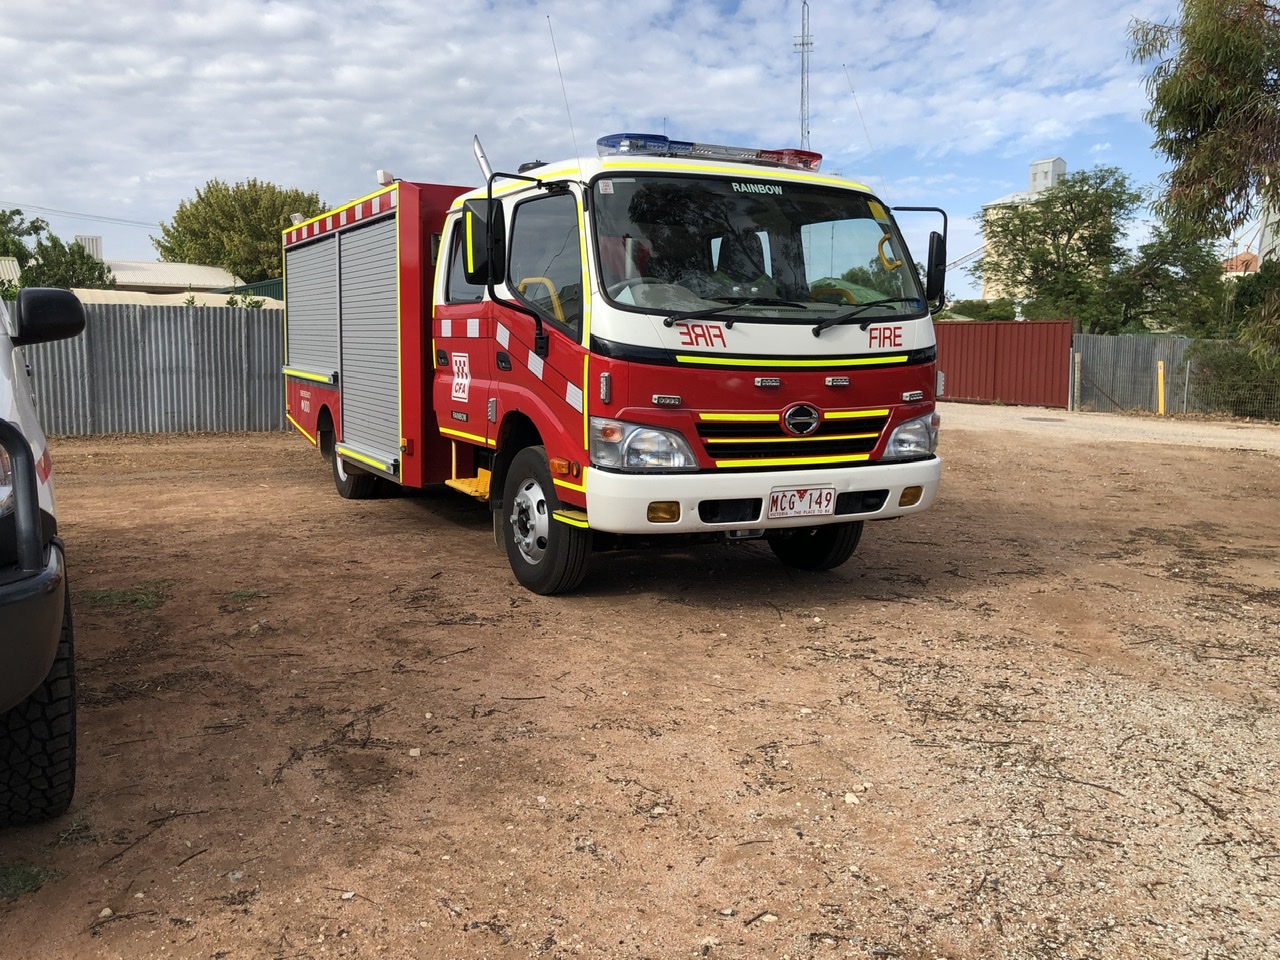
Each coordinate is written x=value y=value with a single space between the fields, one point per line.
x=463 y=332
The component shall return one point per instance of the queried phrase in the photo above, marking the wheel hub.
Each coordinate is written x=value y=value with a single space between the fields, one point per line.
x=530 y=521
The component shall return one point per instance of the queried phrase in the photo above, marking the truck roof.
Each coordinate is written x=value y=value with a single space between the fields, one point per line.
x=585 y=169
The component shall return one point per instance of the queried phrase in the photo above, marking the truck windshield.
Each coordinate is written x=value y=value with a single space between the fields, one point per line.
x=785 y=252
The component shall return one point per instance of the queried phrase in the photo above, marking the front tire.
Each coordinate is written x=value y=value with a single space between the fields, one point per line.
x=817 y=548
x=546 y=555
x=38 y=742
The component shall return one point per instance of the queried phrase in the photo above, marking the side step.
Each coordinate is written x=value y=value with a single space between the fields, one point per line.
x=477 y=486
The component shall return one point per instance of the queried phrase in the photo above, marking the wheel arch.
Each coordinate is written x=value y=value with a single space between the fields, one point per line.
x=515 y=433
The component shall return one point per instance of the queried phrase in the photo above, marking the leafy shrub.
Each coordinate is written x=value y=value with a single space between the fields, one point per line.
x=1226 y=379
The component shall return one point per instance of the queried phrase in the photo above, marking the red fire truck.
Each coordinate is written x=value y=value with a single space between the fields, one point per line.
x=670 y=339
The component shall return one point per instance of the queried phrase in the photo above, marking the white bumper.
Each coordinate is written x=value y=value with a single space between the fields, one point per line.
x=619 y=503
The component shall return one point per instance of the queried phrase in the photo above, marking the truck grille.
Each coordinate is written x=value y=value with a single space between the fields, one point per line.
x=764 y=445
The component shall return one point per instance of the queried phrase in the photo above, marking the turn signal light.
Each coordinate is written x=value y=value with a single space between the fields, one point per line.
x=910 y=496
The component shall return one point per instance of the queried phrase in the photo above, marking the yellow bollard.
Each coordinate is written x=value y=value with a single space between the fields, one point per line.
x=1160 y=385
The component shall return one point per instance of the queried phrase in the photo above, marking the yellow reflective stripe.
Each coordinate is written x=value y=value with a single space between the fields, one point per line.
x=467 y=436
x=793 y=461
x=766 y=363
x=750 y=173
x=571 y=521
x=298 y=427
x=586 y=288
x=843 y=436
x=545 y=174
x=307 y=375
x=739 y=417
x=853 y=414
x=471 y=260
x=586 y=404
x=347 y=206
x=580 y=487
x=348 y=454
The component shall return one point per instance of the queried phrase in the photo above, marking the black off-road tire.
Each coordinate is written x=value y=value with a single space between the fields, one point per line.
x=38 y=742
x=547 y=555
x=816 y=548
x=351 y=485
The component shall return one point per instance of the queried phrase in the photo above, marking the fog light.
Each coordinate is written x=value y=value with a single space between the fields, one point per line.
x=664 y=511
x=910 y=496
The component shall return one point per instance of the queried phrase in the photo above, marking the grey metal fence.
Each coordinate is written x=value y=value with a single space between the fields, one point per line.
x=1171 y=375
x=160 y=369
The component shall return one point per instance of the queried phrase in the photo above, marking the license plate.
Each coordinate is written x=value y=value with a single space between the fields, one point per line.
x=802 y=502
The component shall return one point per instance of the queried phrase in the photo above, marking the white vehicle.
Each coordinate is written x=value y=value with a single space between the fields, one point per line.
x=37 y=668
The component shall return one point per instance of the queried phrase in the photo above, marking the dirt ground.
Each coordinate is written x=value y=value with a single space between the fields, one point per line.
x=1037 y=721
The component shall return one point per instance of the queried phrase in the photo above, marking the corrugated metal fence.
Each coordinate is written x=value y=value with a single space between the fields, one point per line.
x=1007 y=361
x=150 y=369
x=1112 y=374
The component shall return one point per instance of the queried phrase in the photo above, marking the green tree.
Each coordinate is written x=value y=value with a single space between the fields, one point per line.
x=55 y=264
x=15 y=232
x=1002 y=308
x=1175 y=284
x=1215 y=110
x=234 y=227
x=1063 y=249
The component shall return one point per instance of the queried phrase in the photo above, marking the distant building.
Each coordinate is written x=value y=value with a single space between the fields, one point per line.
x=1042 y=175
x=155 y=276
x=1240 y=265
x=1269 y=235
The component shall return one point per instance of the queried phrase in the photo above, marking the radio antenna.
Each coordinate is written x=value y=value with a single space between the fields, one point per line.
x=884 y=187
x=562 y=86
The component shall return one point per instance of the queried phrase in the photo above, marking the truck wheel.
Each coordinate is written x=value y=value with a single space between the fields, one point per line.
x=547 y=556
x=351 y=485
x=816 y=548
x=38 y=742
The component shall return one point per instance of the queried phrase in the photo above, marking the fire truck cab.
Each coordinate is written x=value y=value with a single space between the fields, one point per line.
x=670 y=339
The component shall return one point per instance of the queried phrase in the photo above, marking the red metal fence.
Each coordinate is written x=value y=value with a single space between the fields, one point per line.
x=1015 y=362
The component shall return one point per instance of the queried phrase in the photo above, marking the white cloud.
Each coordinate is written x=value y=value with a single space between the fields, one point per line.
x=123 y=109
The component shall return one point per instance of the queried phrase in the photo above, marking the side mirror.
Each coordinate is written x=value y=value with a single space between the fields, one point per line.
x=484 y=236
x=936 y=278
x=46 y=313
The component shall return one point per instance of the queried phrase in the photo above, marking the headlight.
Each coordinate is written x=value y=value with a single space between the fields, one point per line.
x=913 y=439
x=619 y=445
x=6 y=482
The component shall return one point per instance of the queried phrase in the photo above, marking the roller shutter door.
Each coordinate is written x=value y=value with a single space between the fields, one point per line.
x=370 y=368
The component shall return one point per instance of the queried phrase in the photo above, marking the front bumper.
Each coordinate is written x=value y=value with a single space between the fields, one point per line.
x=30 y=627
x=619 y=503
x=33 y=582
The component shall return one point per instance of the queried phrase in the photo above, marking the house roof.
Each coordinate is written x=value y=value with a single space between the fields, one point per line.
x=1246 y=262
x=175 y=276
x=9 y=269
x=183 y=299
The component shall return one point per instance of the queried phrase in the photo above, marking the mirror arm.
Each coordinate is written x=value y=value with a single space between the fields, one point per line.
x=541 y=343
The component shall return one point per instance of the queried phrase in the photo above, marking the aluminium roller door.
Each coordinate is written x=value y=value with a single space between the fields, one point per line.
x=312 y=307
x=370 y=341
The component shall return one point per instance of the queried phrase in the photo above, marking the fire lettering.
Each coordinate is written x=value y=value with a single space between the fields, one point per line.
x=885 y=337
x=702 y=335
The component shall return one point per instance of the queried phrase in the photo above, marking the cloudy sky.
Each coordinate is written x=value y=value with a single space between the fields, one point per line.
x=114 y=112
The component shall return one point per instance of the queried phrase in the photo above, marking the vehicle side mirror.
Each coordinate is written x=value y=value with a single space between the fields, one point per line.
x=936 y=276
x=484 y=238
x=42 y=314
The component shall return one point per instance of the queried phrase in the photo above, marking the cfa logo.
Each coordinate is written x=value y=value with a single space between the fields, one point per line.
x=461 y=377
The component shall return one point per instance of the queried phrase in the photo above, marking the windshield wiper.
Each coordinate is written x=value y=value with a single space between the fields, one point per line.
x=672 y=319
x=862 y=308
